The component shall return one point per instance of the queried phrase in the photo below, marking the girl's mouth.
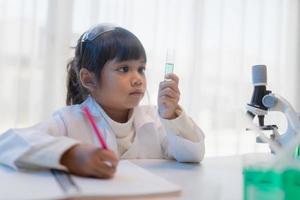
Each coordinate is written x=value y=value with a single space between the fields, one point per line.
x=136 y=93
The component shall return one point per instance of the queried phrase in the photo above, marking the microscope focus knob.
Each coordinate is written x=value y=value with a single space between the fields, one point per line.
x=269 y=101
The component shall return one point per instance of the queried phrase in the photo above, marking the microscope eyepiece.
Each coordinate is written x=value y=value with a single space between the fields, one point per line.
x=259 y=75
x=259 y=80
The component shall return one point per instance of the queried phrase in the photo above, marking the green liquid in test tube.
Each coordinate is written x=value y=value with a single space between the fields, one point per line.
x=169 y=66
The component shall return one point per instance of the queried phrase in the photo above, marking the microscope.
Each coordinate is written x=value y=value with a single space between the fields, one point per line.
x=264 y=101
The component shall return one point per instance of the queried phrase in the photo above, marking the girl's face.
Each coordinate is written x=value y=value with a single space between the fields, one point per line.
x=122 y=84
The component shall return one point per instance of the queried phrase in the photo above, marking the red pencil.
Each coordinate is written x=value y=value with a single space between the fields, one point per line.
x=97 y=131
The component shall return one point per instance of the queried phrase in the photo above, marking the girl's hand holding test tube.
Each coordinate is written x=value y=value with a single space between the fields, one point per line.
x=169 y=94
x=168 y=97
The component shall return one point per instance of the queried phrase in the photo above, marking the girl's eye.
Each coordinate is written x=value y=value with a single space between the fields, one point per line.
x=142 y=70
x=123 y=69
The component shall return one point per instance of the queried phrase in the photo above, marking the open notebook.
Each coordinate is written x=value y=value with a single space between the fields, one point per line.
x=130 y=180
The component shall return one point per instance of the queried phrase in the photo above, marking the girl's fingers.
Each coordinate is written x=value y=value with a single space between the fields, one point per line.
x=173 y=77
x=102 y=170
x=108 y=157
x=104 y=164
x=167 y=101
x=169 y=93
x=169 y=84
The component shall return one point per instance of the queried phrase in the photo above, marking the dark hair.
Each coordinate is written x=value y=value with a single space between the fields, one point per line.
x=117 y=43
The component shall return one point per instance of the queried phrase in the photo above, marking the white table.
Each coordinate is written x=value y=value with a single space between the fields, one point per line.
x=215 y=178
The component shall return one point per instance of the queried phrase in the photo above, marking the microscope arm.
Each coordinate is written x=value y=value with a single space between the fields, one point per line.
x=277 y=103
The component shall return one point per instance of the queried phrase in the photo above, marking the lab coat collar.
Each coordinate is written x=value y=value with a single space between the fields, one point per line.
x=92 y=106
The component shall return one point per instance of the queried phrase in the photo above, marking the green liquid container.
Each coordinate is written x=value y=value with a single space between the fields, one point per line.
x=268 y=184
x=291 y=183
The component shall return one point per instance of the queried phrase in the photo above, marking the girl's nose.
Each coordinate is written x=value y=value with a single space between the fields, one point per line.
x=137 y=80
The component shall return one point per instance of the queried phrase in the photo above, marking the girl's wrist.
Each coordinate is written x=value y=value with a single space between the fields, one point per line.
x=66 y=158
x=171 y=116
x=176 y=113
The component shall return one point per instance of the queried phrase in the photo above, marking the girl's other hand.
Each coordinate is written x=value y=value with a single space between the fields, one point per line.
x=90 y=161
x=168 y=96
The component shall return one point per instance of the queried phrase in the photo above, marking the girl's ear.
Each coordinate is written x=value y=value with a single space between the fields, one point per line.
x=87 y=79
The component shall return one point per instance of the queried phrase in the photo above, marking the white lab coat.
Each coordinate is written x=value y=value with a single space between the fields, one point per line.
x=44 y=144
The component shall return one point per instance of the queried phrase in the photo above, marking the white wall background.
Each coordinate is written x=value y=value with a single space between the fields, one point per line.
x=216 y=42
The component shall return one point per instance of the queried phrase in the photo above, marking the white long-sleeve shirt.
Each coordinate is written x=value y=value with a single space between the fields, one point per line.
x=145 y=135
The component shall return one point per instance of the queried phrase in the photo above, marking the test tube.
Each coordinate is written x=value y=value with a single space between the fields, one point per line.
x=169 y=66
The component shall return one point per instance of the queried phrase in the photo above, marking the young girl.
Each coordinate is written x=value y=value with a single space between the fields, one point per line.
x=107 y=76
